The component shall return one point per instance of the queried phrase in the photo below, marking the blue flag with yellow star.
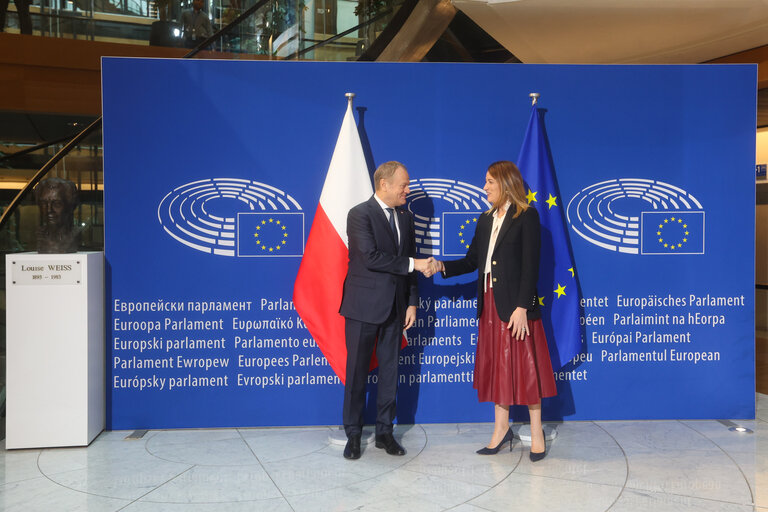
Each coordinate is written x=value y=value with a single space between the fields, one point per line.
x=270 y=234
x=672 y=232
x=557 y=286
x=458 y=230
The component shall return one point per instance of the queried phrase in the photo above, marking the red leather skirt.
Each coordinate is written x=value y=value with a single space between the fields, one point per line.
x=510 y=371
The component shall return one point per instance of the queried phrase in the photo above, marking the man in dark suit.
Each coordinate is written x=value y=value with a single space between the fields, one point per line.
x=380 y=300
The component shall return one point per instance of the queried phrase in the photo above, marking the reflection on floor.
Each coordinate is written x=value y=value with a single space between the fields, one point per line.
x=591 y=466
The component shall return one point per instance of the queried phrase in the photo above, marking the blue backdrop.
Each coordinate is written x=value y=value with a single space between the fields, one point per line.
x=202 y=155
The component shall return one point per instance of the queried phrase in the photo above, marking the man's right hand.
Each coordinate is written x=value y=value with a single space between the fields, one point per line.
x=427 y=266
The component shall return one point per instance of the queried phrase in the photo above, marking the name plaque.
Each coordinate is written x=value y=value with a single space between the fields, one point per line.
x=50 y=272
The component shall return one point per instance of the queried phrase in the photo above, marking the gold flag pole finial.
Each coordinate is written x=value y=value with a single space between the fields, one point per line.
x=350 y=96
x=534 y=97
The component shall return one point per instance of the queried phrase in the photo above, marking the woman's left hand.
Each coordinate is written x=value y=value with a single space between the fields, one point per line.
x=518 y=323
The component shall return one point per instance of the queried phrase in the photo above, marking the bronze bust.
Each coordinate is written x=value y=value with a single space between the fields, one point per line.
x=56 y=200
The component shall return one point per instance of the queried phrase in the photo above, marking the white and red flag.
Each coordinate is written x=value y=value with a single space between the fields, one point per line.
x=320 y=281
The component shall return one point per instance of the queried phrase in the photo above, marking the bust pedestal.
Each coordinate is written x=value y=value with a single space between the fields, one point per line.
x=55 y=349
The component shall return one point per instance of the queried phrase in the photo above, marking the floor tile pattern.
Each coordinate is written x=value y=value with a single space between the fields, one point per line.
x=618 y=466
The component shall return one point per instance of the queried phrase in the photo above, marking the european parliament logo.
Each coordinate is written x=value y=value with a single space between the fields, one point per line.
x=445 y=215
x=233 y=217
x=638 y=216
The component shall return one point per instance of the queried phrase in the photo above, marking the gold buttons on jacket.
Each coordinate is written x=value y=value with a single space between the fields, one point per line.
x=494 y=279
x=493 y=262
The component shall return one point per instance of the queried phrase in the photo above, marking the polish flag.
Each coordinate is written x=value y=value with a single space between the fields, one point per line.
x=319 y=284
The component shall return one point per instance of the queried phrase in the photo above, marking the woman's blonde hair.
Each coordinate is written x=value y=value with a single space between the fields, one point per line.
x=508 y=176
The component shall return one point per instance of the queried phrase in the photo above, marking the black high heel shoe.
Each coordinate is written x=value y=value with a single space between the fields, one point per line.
x=537 y=456
x=509 y=436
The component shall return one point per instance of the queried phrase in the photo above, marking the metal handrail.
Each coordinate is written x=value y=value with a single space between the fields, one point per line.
x=34 y=148
x=324 y=42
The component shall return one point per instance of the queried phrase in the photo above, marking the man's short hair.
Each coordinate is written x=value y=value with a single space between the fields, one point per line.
x=385 y=171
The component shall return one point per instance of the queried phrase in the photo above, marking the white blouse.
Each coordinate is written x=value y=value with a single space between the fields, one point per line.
x=498 y=220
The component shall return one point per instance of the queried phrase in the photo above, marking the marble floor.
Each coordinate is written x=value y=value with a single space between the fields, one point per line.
x=619 y=466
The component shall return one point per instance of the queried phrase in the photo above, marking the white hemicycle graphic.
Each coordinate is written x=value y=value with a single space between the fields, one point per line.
x=611 y=214
x=430 y=200
x=203 y=215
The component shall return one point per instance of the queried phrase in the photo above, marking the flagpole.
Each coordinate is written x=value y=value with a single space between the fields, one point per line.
x=534 y=97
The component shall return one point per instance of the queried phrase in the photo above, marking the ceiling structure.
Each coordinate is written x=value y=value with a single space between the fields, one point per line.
x=621 y=31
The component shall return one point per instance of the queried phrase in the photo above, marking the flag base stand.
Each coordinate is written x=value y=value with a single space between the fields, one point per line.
x=524 y=433
x=339 y=437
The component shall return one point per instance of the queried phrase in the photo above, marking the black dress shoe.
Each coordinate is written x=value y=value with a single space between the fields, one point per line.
x=388 y=441
x=352 y=450
x=537 y=456
x=509 y=436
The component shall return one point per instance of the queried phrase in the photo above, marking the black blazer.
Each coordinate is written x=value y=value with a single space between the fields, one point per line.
x=514 y=260
x=378 y=274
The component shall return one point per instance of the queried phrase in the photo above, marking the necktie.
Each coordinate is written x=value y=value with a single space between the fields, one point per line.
x=392 y=222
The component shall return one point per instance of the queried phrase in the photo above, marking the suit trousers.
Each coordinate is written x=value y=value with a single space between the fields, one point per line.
x=361 y=338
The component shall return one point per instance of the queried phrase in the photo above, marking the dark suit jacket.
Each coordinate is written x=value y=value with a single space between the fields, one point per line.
x=378 y=274
x=514 y=261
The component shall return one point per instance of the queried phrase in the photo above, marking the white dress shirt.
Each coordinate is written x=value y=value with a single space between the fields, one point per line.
x=498 y=220
x=397 y=225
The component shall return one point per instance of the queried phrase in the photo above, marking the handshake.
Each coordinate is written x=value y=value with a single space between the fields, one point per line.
x=428 y=266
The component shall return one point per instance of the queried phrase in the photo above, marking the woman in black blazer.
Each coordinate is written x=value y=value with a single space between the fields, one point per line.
x=512 y=365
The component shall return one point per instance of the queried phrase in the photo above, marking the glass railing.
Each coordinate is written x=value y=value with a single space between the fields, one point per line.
x=306 y=29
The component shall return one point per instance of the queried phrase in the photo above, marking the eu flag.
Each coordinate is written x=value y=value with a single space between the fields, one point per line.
x=270 y=234
x=557 y=286
x=672 y=232
x=458 y=230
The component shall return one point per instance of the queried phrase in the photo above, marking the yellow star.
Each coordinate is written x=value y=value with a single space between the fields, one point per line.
x=666 y=245
x=531 y=197
x=552 y=201
x=673 y=247
x=686 y=233
x=679 y=221
x=270 y=220
x=270 y=249
x=466 y=246
x=673 y=218
x=278 y=247
x=661 y=239
x=685 y=239
x=278 y=222
x=666 y=220
x=282 y=227
x=560 y=291
x=679 y=245
x=571 y=271
x=660 y=226
x=256 y=235
x=263 y=222
x=462 y=241
x=474 y=220
x=258 y=242
x=258 y=228
x=285 y=235
x=685 y=226
x=284 y=242
x=263 y=247
x=658 y=232
x=461 y=233
x=541 y=301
